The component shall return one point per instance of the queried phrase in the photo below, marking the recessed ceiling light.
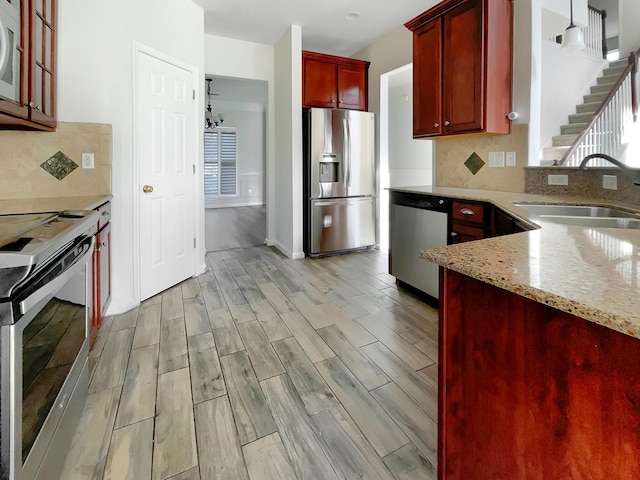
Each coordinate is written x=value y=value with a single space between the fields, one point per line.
x=352 y=16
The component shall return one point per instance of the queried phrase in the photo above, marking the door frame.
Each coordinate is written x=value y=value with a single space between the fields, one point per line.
x=198 y=179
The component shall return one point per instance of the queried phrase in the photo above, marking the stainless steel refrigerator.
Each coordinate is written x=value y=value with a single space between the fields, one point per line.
x=339 y=180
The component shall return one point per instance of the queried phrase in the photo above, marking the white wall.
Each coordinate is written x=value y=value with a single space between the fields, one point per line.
x=95 y=84
x=249 y=120
x=556 y=16
x=629 y=26
x=410 y=160
x=255 y=61
x=567 y=77
x=288 y=143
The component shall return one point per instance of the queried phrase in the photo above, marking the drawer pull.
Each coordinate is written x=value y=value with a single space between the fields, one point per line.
x=467 y=211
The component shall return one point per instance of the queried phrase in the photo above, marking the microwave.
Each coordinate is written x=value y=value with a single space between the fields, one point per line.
x=9 y=51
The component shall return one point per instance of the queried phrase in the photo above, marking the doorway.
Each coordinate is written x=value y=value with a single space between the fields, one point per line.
x=235 y=163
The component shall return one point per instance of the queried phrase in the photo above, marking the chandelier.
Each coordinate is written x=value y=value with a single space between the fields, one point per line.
x=211 y=120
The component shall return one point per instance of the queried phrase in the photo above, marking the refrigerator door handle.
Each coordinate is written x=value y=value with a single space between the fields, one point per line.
x=347 y=153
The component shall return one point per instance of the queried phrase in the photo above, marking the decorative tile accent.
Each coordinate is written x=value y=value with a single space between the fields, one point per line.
x=474 y=163
x=59 y=165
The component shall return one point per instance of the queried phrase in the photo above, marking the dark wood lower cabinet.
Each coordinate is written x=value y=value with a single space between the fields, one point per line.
x=530 y=392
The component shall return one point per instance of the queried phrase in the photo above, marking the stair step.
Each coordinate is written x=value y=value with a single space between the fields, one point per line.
x=554 y=153
x=608 y=79
x=573 y=128
x=588 y=107
x=546 y=163
x=616 y=67
x=564 y=140
x=623 y=62
x=580 y=118
x=601 y=88
x=594 y=97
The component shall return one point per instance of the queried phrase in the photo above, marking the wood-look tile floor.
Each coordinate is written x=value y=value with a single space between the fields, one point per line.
x=265 y=368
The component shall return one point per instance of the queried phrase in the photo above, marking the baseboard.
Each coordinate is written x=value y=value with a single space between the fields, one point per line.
x=285 y=251
x=116 y=308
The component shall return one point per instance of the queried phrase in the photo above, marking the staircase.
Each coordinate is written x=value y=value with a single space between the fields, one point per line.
x=584 y=112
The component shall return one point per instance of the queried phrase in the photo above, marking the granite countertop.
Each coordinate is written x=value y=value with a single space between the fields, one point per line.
x=593 y=273
x=38 y=205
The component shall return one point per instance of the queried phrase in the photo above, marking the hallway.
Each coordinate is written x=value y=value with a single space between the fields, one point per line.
x=234 y=227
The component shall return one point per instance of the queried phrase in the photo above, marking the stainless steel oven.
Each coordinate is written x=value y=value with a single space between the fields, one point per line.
x=44 y=346
x=9 y=51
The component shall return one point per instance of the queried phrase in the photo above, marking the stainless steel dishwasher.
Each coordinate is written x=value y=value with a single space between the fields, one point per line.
x=417 y=222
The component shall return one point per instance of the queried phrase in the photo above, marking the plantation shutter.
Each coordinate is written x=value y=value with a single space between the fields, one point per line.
x=220 y=170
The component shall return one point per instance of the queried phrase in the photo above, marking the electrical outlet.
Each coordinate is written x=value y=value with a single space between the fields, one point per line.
x=496 y=159
x=88 y=160
x=511 y=159
x=610 y=182
x=557 y=179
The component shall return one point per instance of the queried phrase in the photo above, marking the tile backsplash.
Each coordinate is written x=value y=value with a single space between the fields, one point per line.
x=451 y=153
x=587 y=183
x=23 y=152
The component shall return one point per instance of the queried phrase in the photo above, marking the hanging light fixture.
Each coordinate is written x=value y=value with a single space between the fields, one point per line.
x=211 y=120
x=573 y=38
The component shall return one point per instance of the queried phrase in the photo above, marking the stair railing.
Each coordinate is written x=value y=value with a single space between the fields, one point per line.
x=609 y=128
x=595 y=35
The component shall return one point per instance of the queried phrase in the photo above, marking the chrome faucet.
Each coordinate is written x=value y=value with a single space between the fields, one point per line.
x=585 y=160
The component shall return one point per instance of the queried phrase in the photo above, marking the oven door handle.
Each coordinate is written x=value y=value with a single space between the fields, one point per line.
x=54 y=285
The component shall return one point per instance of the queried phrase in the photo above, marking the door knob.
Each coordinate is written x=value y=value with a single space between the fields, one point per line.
x=147 y=189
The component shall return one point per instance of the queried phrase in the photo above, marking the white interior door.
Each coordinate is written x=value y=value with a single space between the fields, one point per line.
x=166 y=154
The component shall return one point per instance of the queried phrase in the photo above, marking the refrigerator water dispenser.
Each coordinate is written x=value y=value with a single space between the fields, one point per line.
x=329 y=171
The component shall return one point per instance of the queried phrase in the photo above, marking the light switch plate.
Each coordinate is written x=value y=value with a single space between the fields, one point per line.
x=88 y=160
x=557 y=179
x=610 y=182
x=511 y=159
x=496 y=159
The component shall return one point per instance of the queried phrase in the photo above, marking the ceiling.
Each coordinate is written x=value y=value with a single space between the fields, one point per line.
x=324 y=26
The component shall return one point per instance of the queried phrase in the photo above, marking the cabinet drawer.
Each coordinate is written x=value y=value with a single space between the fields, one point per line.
x=468 y=212
x=465 y=233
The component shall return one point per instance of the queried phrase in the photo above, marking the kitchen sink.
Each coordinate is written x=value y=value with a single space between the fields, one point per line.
x=595 y=222
x=582 y=215
x=574 y=211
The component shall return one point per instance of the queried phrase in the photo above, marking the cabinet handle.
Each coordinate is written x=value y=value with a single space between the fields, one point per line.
x=447 y=123
x=467 y=211
x=436 y=124
x=34 y=106
x=454 y=234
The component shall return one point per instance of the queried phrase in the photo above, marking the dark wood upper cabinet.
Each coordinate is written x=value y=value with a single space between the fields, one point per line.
x=34 y=108
x=462 y=55
x=43 y=61
x=334 y=82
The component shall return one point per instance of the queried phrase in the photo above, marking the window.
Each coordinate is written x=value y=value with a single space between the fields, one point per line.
x=220 y=176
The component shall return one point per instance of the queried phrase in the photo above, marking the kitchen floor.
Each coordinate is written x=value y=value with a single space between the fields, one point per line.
x=265 y=368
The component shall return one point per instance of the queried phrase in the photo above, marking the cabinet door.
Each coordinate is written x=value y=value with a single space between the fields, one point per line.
x=320 y=84
x=104 y=244
x=352 y=83
x=427 y=79
x=465 y=233
x=43 y=39
x=16 y=101
x=463 y=68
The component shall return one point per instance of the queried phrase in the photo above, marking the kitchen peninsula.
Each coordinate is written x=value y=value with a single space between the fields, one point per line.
x=539 y=348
